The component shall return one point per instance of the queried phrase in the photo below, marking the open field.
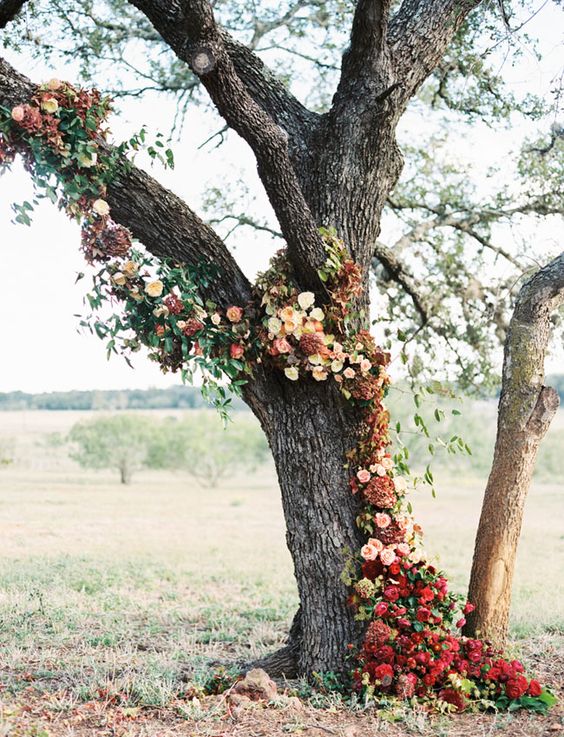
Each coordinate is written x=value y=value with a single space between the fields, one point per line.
x=114 y=600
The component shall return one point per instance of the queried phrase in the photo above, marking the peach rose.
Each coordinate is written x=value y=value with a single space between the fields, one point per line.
x=130 y=268
x=378 y=544
x=382 y=520
x=288 y=313
x=319 y=373
x=216 y=318
x=234 y=314
x=154 y=288
x=349 y=373
x=387 y=556
x=365 y=365
x=369 y=552
x=18 y=113
x=387 y=462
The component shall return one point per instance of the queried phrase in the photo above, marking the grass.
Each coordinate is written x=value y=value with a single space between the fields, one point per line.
x=123 y=597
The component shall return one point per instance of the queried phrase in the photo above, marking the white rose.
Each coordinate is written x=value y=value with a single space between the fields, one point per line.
x=292 y=373
x=101 y=207
x=306 y=299
x=317 y=314
x=274 y=325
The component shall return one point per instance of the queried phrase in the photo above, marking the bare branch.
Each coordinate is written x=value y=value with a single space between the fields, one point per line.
x=402 y=276
x=165 y=225
x=192 y=26
x=8 y=10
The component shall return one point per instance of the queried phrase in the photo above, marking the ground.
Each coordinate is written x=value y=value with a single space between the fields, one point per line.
x=115 y=602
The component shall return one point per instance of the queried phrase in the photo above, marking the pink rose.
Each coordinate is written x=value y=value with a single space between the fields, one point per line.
x=234 y=314
x=236 y=350
x=382 y=520
x=363 y=476
x=369 y=552
x=282 y=345
x=18 y=113
x=387 y=556
x=403 y=548
x=349 y=373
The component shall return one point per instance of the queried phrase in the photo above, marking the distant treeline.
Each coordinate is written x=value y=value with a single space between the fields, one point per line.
x=176 y=397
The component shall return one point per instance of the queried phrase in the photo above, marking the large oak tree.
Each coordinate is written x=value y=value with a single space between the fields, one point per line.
x=333 y=169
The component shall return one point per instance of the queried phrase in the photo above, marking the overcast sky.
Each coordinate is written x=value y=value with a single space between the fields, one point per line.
x=41 y=348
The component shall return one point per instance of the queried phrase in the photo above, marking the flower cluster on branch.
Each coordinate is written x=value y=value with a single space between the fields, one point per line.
x=411 y=649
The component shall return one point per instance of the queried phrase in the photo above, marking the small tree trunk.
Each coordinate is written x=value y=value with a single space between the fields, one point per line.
x=310 y=429
x=526 y=408
x=125 y=473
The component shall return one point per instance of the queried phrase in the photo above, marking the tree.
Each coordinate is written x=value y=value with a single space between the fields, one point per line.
x=526 y=409
x=334 y=171
x=200 y=445
x=120 y=442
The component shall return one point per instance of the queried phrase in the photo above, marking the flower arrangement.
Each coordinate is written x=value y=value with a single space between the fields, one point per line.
x=411 y=648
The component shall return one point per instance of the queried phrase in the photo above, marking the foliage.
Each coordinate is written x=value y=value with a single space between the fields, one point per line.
x=201 y=445
x=121 y=442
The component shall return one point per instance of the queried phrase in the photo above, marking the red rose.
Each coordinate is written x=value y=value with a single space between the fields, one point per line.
x=384 y=673
x=516 y=687
x=391 y=593
x=461 y=622
x=236 y=350
x=535 y=689
x=380 y=609
x=423 y=614
x=468 y=608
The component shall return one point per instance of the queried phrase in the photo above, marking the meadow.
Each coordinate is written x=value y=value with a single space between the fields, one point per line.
x=118 y=603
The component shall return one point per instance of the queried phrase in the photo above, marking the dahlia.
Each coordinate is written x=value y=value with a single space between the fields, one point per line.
x=311 y=344
x=380 y=492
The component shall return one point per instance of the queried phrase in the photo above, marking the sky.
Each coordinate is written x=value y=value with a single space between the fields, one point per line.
x=41 y=348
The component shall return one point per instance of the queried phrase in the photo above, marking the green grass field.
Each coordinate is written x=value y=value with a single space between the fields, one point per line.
x=137 y=591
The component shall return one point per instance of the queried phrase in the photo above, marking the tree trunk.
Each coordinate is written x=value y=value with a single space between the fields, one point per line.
x=526 y=408
x=125 y=474
x=310 y=430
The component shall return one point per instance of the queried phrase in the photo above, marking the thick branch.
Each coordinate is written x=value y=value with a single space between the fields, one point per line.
x=192 y=26
x=8 y=10
x=419 y=34
x=165 y=225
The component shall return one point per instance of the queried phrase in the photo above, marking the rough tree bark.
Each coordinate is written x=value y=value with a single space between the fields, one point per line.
x=526 y=409
x=332 y=170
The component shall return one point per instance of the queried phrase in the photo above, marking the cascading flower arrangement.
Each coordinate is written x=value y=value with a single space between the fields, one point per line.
x=411 y=648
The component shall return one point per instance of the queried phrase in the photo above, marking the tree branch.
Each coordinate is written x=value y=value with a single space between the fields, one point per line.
x=165 y=225
x=419 y=34
x=190 y=30
x=8 y=10
x=405 y=279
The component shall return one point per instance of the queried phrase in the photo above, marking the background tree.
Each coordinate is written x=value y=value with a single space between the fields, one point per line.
x=201 y=445
x=334 y=168
x=120 y=442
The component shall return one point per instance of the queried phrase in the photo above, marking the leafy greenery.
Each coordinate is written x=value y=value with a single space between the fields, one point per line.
x=121 y=442
x=208 y=451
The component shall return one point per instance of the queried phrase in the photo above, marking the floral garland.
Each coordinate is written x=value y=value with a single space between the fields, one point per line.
x=411 y=649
